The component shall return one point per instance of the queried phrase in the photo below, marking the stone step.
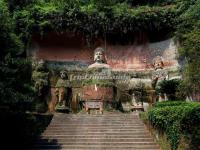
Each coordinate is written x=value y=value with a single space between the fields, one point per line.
x=77 y=139
x=95 y=115
x=92 y=133
x=94 y=147
x=95 y=136
x=98 y=143
x=95 y=130
x=91 y=148
x=93 y=118
x=93 y=127
x=98 y=119
x=96 y=124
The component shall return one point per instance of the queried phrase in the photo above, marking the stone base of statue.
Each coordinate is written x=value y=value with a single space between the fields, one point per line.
x=94 y=105
x=60 y=107
x=97 y=97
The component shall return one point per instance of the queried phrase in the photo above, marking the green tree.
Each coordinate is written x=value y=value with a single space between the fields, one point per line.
x=188 y=35
x=169 y=87
x=15 y=70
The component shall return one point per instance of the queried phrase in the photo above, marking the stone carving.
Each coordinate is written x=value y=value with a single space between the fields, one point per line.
x=61 y=92
x=99 y=58
x=159 y=74
x=98 y=88
x=40 y=77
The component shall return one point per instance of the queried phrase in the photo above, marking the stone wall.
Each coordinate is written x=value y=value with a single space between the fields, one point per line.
x=71 y=52
x=98 y=93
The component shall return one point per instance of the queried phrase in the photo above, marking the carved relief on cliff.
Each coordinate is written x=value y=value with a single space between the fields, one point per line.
x=73 y=52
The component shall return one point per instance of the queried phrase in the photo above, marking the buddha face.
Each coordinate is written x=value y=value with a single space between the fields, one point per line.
x=63 y=74
x=99 y=55
x=158 y=63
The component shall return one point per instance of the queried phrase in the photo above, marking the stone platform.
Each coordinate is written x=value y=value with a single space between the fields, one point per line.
x=110 y=131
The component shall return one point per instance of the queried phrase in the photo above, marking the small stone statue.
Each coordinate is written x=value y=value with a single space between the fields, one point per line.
x=134 y=101
x=61 y=92
x=159 y=74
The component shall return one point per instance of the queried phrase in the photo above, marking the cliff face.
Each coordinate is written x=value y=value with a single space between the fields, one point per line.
x=71 y=52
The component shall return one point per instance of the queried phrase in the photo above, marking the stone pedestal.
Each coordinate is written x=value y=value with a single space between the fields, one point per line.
x=94 y=104
x=96 y=97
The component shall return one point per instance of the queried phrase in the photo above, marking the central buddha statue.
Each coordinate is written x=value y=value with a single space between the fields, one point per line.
x=98 y=87
x=99 y=59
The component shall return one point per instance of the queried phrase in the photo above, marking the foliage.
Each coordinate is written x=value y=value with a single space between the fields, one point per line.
x=15 y=70
x=63 y=83
x=94 y=17
x=169 y=87
x=188 y=35
x=40 y=77
x=40 y=106
x=21 y=128
x=170 y=117
x=98 y=82
x=9 y=42
x=170 y=103
x=140 y=92
x=190 y=127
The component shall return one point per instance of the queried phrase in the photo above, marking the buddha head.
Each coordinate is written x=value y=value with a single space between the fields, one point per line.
x=41 y=65
x=99 y=55
x=158 y=63
x=63 y=75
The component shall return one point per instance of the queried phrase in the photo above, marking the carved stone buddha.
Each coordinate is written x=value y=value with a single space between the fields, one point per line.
x=159 y=74
x=99 y=59
x=98 y=88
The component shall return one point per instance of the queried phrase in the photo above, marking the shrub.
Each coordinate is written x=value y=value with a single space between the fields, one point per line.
x=175 y=118
x=169 y=87
x=100 y=82
x=170 y=103
x=41 y=107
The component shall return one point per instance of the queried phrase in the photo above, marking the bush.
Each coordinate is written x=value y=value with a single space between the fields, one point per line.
x=41 y=107
x=100 y=82
x=190 y=127
x=169 y=87
x=170 y=103
x=175 y=118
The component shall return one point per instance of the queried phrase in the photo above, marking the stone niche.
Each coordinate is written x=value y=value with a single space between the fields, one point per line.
x=98 y=87
x=70 y=52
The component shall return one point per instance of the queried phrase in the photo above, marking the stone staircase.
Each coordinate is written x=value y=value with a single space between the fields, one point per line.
x=96 y=132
